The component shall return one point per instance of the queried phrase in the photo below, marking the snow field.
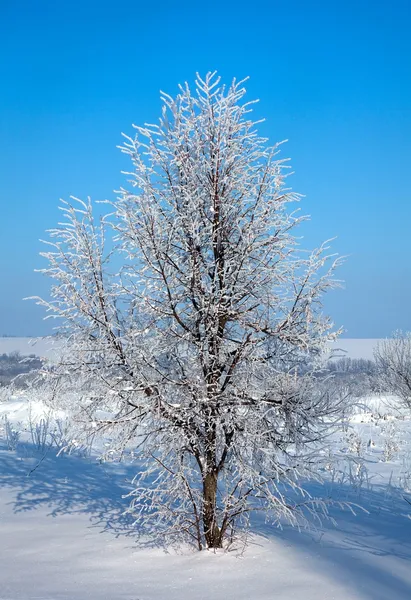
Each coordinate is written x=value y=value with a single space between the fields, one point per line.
x=65 y=536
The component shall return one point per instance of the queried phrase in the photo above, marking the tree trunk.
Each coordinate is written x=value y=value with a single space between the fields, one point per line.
x=212 y=532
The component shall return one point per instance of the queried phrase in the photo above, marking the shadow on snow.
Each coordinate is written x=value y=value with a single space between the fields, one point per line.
x=369 y=551
x=69 y=484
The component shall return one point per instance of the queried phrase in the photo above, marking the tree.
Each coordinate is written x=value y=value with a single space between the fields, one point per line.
x=393 y=359
x=203 y=345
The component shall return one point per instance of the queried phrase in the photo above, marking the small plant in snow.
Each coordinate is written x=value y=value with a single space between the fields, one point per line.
x=12 y=433
x=40 y=432
x=391 y=441
x=355 y=443
x=405 y=475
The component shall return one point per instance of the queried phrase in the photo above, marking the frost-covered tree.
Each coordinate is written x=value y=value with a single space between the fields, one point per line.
x=196 y=329
x=393 y=359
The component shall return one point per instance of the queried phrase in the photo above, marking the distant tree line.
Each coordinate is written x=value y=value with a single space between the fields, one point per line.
x=352 y=365
x=360 y=375
x=14 y=364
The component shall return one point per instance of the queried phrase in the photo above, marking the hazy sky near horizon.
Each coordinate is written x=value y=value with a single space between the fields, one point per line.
x=334 y=78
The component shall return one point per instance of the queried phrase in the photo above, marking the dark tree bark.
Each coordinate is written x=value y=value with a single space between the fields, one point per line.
x=212 y=531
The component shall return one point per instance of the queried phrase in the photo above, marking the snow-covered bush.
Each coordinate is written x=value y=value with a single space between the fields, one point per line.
x=393 y=358
x=355 y=443
x=390 y=436
x=12 y=433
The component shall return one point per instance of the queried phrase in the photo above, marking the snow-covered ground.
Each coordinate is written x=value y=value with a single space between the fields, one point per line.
x=64 y=535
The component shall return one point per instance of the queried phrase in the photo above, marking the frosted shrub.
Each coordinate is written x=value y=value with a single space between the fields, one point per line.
x=12 y=433
x=393 y=359
x=355 y=443
x=390 y=435
x=39 y=433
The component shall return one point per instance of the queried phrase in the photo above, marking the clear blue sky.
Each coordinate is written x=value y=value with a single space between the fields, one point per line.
x=333 y=77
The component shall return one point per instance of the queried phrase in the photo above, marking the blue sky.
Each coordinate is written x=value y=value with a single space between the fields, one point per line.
x=334 y=78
